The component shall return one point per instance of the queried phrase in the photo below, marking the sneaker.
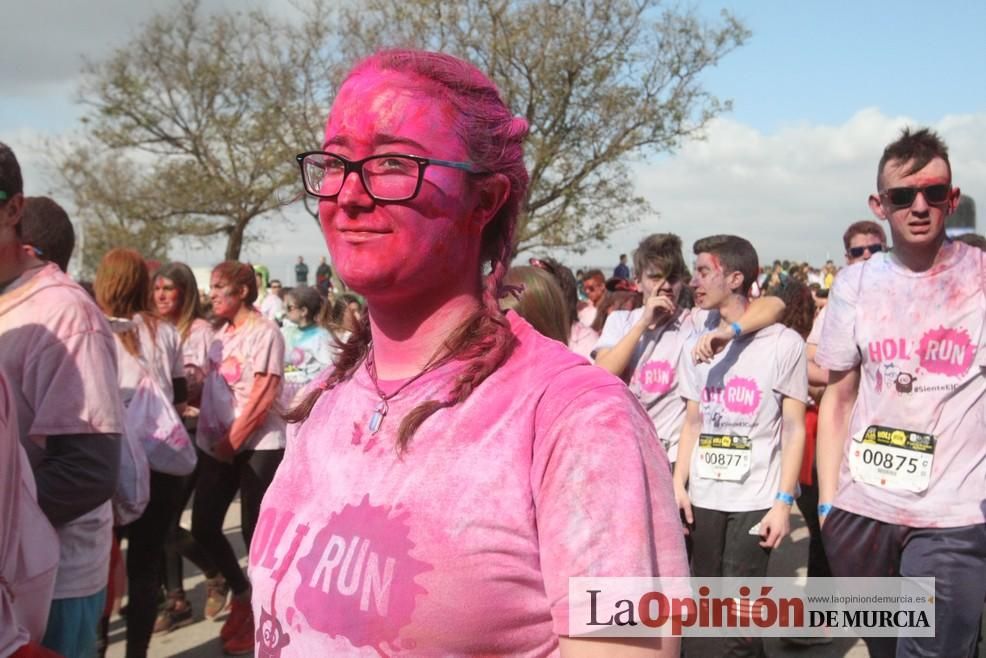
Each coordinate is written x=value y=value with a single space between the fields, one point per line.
x=240 y=642
x=177 y=612
x=239 y=615
x=216 y=596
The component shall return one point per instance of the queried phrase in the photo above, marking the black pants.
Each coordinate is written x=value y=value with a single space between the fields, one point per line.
x=955 y=557
x=250 y=473
x=181 y=544
x=818 y=564
x=723 y=547
x=145 y=537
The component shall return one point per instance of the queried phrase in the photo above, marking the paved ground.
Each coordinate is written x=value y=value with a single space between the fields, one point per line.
x=201 y=639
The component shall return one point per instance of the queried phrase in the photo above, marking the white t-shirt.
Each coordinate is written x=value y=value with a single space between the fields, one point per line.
x=654 y=365
x=815 y=337
x=59 y=355
x=236 y=355
x=587 y=315
x=161 y=352
x=28 y=543
x=582 y=339
x=272 y=307
x=740 y=394
x=918 y=338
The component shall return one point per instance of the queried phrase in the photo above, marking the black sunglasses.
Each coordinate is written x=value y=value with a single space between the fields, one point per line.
x=857 y=252
x=903 y=197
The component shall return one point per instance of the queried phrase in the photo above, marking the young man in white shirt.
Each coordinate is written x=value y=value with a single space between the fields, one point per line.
x=644 y=346
x=740 y=452
x=901 y=456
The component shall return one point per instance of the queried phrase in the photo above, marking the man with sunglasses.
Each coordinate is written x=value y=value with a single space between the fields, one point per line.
x=901 y=458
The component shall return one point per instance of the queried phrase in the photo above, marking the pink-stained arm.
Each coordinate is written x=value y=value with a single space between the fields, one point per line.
x=616 y=647
x=262 y=397
x=833 y=429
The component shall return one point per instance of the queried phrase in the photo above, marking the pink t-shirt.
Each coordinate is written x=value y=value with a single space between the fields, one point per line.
x=740 y=395
x=582 y=339
x=463 y=546
x=236 y=356
x=59 y=355
x=28 y=543
x=919 y=341
x=654 y=364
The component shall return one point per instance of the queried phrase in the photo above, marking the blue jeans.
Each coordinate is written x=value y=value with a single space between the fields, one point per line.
x=72 y=625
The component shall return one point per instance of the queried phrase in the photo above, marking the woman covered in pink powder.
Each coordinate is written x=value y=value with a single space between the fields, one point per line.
x=456 y=468
x=240 y=435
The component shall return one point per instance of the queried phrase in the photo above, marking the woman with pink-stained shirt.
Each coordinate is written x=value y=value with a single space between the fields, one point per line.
x=456 y=467
x=176 y=300
x=147 y=349
x=240 y=435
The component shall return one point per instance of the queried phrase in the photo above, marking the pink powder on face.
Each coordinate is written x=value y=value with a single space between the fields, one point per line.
x=946 y=351
x=742 y=395
x=389 y=248
x=348 y=584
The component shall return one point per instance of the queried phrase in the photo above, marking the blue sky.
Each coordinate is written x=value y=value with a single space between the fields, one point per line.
x=823 y=61
x=818 y=90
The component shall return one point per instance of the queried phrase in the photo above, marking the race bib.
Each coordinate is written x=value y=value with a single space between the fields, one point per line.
x=892 y=458
x=724 y=457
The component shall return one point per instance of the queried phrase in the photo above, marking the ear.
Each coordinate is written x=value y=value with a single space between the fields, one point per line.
x=876 y=207
x=953 y=201
x=10 y=212
x=492 y=192
x=735 y=282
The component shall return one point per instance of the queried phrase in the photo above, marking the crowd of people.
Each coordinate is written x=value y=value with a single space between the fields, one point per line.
x=423 y=475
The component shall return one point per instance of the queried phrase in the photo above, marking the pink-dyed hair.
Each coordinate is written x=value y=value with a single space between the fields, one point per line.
x=493 y=138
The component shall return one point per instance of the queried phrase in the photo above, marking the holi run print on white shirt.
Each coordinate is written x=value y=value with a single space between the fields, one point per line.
x=236 y=355
x=654 y=366
x=463 y=546
x=918 y=339
x=60 y=359
x=740 y=395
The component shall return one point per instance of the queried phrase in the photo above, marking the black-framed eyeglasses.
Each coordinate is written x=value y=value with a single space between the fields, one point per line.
x=857 y=252
x=903 y=197
x=386 y=177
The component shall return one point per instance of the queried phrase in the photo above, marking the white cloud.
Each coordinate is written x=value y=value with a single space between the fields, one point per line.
x=793 y=192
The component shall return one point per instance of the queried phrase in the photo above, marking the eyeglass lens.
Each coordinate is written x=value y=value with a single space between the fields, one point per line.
x=386 y=177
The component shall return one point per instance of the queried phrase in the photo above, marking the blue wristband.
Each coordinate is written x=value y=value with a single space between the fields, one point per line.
x=785 y=498
x=824 y=509
x=737 y=330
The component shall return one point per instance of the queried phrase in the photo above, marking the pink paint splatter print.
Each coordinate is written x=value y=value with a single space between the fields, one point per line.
x=742 y=395
x=656 y=377
x=946 y=351
x=358 y=579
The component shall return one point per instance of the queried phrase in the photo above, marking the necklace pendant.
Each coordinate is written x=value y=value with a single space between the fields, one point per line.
x=376 y=420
